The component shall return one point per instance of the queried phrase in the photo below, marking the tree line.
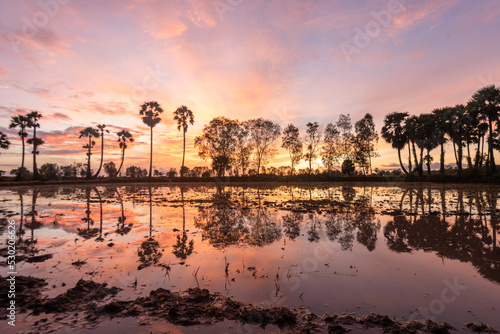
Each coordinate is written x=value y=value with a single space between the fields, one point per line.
x=231 y=145
x=150 y=112
x=466 y=127
x=247 y=147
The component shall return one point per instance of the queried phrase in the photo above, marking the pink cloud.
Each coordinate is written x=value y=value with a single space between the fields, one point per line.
x=168 y=30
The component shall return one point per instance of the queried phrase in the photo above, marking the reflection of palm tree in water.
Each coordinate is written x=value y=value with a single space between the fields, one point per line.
x=34 y=224
x=89 y=232
x=99 y=238
x=20 y=231
x=492 y=202
x=121 y=228
x=21 y=243
x=468 y=239
x=149 y=251
x=182 y=249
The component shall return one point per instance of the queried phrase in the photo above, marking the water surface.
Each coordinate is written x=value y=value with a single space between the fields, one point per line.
x=410 y=251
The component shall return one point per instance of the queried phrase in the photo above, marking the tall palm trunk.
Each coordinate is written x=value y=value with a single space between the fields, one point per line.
x=151 y=155
x=401 y=162
x=492 y=167
x=22 y=159
x=36 y=176
x=441 y=167
x=478 y=152
x=121 y=164
x=482 y=152
x=417 y=163
x=469 y=159
x=428 y=162
x=88 y=176
x=102 y=154
x=409 y=158
x=183 y=151
x=421 y=163
x=21 y=170
x=459 y=158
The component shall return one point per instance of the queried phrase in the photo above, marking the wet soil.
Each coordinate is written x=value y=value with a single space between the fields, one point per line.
x=88 y=303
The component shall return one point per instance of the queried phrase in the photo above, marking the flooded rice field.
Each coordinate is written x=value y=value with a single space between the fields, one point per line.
x=191 y=258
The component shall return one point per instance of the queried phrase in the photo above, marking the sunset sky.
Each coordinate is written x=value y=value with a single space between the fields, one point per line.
x=83 y=63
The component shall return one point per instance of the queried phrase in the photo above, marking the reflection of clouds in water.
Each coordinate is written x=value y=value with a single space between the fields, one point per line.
x=244 y=222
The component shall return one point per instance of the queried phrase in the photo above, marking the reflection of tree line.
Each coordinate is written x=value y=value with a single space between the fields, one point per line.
x=149 y=251
x=226 y=222
x=235 y=220
x=467 y=236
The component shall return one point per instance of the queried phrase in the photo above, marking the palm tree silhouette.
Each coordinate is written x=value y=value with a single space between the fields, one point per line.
x=123 y=137
x=150 y=112
x=101 y=127
x=121 y=228
x=486 y=103
x=34 y=118
x=149 y=251
x=394 y=133
x=89 y=232
x=99 y=238
x=22 y=122
x=4 y=142
x=183 y=116
x=441 y=117
x=90 y=133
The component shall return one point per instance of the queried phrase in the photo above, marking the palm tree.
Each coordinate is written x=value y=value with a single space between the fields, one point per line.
x=183 y=116
x=123 y=137
x=34 y=118
x=441 y=116
x=4 y=142
x=90 y=133
x=101 y=127
x=394 y=133
x=413 y=128
x=456 y=130
x=150 y=112
x=429 y=136
x=486 y=103
x=22 y=122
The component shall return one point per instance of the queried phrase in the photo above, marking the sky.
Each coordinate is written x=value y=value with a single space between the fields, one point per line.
x=83 y=63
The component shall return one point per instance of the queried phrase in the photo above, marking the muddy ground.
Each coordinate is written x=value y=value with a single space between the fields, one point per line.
x=88 y=303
